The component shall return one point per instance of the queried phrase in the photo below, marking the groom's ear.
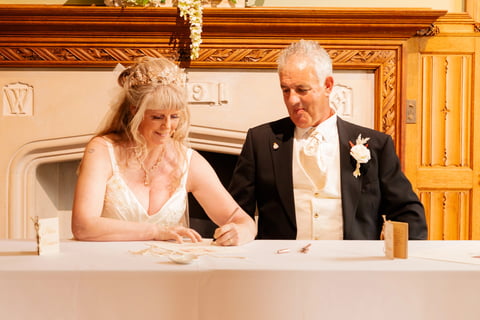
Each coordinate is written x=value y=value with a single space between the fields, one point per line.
x=329 y=84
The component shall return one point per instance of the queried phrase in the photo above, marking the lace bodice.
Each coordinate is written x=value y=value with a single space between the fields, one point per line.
x=121 y=203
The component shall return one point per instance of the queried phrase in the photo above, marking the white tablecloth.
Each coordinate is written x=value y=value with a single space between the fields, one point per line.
x=334 y=280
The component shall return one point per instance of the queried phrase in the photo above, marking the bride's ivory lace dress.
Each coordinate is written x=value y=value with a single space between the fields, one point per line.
x=121 y=203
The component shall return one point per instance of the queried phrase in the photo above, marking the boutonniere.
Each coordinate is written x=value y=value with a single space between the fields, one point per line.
x=360 y=153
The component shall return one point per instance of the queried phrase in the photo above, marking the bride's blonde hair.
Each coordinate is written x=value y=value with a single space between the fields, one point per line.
x=150 y=83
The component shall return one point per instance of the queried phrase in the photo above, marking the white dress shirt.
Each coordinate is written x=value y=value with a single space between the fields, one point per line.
x=318 y=209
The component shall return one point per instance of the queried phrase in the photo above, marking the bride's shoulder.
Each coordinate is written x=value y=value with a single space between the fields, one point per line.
x=105 y=140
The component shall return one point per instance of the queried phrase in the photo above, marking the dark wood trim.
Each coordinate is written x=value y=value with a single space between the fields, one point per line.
x=218 y=22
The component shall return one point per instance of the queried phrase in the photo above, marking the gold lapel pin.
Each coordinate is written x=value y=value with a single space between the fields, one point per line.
x=275 y=146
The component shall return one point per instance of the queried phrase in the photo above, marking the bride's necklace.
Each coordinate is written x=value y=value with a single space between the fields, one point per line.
x=146 y=179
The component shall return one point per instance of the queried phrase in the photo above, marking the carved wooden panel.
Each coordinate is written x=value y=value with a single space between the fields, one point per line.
x=446 y=171
x=38 y=56
x=446 y=125
x=448 y=214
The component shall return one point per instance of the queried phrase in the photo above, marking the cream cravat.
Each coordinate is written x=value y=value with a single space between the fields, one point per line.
x=311 y=159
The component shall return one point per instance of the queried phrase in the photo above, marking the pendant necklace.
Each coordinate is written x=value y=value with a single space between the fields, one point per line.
x=146 y=180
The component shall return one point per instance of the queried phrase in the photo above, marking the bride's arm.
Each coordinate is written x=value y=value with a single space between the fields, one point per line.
x=219 y=205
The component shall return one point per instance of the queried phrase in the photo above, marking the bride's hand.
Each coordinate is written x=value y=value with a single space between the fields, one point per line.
x=232 y=234
x=176 y=233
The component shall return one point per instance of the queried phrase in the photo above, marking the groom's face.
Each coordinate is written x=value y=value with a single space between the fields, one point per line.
x=306 y=99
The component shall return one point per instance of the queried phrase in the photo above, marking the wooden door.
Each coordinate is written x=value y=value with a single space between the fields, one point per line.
x=442 y=145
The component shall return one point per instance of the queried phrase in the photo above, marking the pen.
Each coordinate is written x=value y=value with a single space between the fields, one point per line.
x=305 y=248
x=232 y=215
x=230 y=219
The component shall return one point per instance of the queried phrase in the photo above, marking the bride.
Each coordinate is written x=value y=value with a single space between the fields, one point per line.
x=135 y=173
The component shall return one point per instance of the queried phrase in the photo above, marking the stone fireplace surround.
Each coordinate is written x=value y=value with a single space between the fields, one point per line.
x=76 y=45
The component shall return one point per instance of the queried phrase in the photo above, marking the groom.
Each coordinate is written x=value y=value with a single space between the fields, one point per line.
x=313 y=175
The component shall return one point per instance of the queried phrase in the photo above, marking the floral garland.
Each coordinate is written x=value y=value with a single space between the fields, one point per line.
x=191 y=10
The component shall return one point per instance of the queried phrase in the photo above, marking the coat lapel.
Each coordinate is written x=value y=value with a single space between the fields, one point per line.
x=350 y=186
x=281 y=149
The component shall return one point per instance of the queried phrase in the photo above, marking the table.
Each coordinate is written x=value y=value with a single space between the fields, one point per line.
x=334 y=280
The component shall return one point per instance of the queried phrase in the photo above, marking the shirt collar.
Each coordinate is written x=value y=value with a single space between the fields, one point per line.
x=327 y=128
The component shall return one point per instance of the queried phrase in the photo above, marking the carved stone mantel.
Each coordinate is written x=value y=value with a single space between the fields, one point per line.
x=356 y=38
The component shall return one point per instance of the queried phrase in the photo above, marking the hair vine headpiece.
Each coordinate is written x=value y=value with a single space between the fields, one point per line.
x=163 y=72
x=165 y=77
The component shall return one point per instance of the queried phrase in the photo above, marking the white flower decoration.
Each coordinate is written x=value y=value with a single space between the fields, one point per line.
x=192 y=10
x=360 y=153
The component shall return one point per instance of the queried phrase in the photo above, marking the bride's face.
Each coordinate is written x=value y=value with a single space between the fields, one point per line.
x=158 y=126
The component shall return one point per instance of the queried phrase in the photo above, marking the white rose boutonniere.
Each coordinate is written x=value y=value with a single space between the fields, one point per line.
x=360 y=153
